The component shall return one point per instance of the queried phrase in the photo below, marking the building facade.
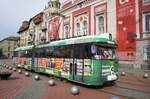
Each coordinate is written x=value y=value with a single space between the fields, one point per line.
x=143 y=42
x=23 y=33
x=7 y=46
x=33 y=30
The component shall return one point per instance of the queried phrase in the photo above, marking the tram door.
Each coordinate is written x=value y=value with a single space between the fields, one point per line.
x=77 y=67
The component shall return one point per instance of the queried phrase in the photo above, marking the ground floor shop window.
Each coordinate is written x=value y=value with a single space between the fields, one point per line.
x=147 y=52
x=146 y=22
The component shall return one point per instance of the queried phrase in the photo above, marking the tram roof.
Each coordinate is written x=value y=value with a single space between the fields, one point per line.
x=24 y=48
x=78 y=40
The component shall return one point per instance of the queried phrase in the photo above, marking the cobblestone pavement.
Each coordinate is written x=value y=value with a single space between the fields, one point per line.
x=34 y=90
x=131 y=86
x=13 y=86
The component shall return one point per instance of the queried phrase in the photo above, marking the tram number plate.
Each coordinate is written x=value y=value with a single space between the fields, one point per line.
x=111 y=77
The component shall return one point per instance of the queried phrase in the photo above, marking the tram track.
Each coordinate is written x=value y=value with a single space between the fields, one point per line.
x=125 y=92
x=137 y=84
x=137 y=78
x=124 y=87
x=114 y=94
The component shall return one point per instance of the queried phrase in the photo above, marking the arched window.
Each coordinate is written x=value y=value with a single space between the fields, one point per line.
x=85 y=27
x=78 y=29
x=100 y=25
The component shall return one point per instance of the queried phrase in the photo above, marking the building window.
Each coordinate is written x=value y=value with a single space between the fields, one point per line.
x=66 y=31
x=78 y=29
x=146 y=22
x=146 y=1
x=85 y=28
x=147 y=52
x=100 y=25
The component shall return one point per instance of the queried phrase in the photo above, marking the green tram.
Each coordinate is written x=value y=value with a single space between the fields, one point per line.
x=23 y=57
x=89 y=60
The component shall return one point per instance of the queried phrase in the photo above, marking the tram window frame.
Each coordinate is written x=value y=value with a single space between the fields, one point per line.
x=59 y=52
x=105 y=46
x=15 y=54
x=26 y=53
x=69 y=51
x=40 y=53
x=29 y=54
x=82 y=51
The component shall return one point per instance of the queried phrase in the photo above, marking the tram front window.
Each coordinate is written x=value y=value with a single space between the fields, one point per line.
x=104 y=53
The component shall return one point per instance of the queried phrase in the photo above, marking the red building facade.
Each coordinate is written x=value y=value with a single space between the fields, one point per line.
x=126 y=29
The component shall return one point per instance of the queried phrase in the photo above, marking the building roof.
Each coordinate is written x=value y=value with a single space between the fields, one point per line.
x=11 y=38
x=24 y=26
x=36 y=19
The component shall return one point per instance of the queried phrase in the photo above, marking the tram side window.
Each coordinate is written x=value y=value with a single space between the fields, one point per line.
x=26 y=53
x=59 y=52
x=82 y=52
x=21 y=54
x=78 y=51
x=87 y=52
x=40 y=52
x=15 y=54
x=69 y=51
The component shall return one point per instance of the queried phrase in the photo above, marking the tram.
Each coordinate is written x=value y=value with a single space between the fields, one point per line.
x=23 y=57
x=89 y=60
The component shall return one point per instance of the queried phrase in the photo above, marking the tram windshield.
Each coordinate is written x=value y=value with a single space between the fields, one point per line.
x=104 y=52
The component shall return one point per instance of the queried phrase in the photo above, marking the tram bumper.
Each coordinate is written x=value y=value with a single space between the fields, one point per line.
x=112 y=77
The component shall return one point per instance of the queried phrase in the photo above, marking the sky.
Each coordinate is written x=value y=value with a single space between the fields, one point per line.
x=13 y=12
